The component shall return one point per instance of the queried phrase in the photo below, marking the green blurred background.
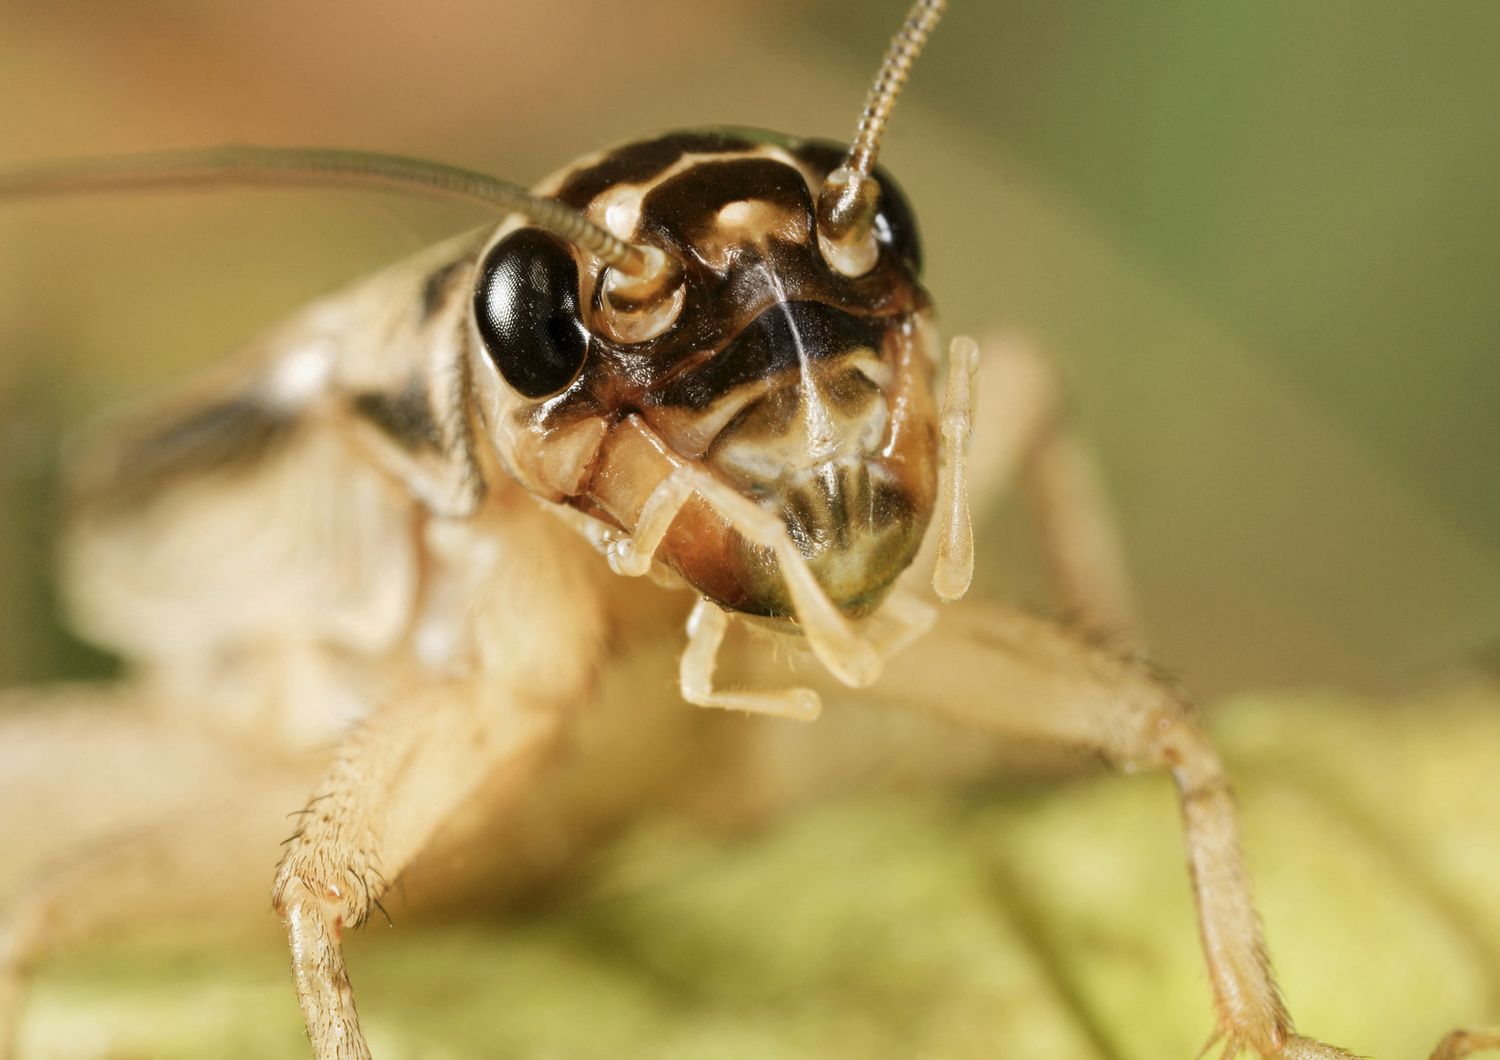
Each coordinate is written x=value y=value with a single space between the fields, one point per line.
x=1265 y=239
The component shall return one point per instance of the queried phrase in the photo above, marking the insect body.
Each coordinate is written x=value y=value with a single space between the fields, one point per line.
x=768 y=374
x=713 y=363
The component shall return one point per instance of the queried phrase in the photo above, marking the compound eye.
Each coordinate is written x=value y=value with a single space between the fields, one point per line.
x=526 y=308
x=896 y=224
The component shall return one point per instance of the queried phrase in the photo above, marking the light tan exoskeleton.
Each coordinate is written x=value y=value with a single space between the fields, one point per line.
x=414 y=520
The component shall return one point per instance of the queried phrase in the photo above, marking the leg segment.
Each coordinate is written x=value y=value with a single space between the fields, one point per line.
x=902 y=620
x=954 y=568
x=632 y=556
x=706 y=628
x=390 y=787
x=1460 y=1044
x=1016 y=675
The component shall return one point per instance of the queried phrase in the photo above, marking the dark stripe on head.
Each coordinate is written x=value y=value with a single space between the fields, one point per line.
x=684 y=210
x=774 y=342
x=639 y=162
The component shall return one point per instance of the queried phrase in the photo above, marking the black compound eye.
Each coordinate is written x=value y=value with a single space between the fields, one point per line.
x=896 y=224
x=526 y=307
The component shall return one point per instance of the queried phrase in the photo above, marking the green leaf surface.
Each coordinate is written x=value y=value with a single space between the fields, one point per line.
x=1047 y=921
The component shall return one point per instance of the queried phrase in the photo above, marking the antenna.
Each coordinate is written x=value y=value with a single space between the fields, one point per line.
x=319 y=167
x=850 y=196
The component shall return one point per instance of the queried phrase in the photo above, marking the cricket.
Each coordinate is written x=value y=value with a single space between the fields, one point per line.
x=388 y=565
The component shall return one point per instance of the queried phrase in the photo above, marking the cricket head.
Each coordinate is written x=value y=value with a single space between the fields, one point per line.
x=764 y=359
x=723 y=354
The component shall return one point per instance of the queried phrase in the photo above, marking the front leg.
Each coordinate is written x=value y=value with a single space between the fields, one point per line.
x=1013 y=674
x=393 y=783
x=1024 y=439
x=1460 y=1044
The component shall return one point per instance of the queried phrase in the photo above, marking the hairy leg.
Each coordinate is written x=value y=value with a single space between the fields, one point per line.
x=392 y=784
x=1015 y=675
x=1460 y=1044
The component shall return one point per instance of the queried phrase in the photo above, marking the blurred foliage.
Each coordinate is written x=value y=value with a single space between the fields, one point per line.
x=1042 y=923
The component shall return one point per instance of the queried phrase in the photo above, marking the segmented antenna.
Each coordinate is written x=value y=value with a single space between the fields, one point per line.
x=894 y=70
x=280 y=166
x=850 y=196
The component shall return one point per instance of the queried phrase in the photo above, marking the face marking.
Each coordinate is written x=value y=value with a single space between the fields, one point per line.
x=740 y=216
x=817 y=426
x=646 y=163
x=745 y=228
x=681 y=212
x=789 y=338
x=621 y=209
x=637 y=163
x=618 y=207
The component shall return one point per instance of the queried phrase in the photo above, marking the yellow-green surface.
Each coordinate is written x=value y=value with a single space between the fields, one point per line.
x=1050 y=922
